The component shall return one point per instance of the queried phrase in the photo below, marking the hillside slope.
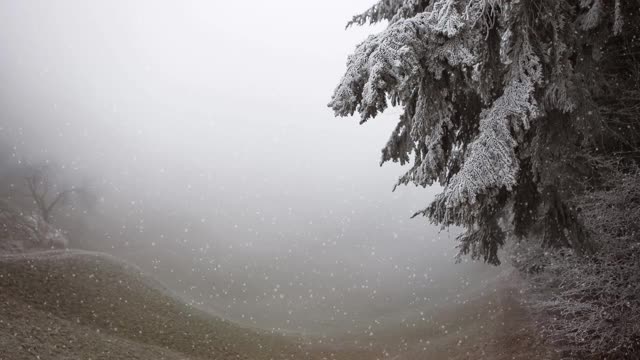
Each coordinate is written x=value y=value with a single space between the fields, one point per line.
x=69 y=305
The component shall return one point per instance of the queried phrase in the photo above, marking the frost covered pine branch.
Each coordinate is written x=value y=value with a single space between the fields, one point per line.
x=483 y=84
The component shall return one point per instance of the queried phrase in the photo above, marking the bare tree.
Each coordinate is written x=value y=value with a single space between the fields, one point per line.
x=19 y=232
x=45 y=195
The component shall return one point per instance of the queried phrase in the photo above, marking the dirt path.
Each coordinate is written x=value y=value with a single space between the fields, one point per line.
x=493 y=324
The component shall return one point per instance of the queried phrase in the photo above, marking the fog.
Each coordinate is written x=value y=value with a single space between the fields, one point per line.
x=203 y=127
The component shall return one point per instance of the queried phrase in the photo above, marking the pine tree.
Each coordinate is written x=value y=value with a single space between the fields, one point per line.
x=499 y=101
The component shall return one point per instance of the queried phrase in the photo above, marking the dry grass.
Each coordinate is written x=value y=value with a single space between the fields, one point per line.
x=43 y=294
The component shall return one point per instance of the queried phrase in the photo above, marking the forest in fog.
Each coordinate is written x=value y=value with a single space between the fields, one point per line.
x=173 y=184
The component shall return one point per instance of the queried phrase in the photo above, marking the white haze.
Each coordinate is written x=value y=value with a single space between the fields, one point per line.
x=216 y=111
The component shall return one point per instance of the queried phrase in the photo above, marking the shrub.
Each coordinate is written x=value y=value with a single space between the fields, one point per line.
x=589 y=306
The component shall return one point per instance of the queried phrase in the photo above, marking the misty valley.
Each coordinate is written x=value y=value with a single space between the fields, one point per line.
x=194 y=180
